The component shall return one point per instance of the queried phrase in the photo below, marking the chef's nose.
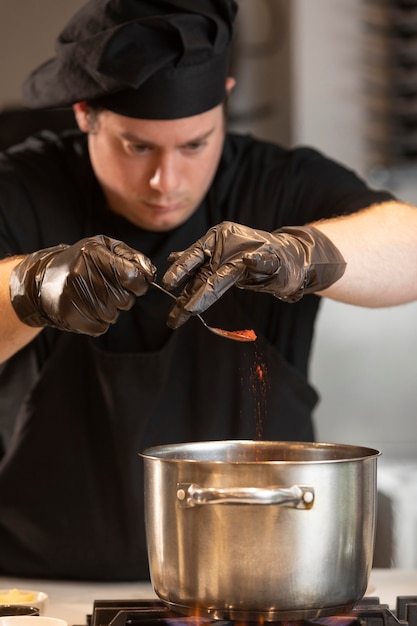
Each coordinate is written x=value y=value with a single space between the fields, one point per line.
x=166 y=175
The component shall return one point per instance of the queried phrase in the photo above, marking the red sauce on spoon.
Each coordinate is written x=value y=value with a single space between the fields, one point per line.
x=237 y=335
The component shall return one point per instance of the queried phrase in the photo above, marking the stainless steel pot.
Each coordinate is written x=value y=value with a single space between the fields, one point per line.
x=260 y=529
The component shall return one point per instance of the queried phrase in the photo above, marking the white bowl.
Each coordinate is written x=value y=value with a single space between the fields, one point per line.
x=27 y=597
x=24 y=620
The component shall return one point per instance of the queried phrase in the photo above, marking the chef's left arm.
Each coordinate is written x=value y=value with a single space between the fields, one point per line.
x=368 y=259
x=379 y=245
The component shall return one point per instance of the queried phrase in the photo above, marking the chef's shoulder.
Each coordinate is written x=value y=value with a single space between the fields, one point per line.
x=310 y=183
x=44 y=191
x=245 y=150
x=44 y=151
x=246 y=154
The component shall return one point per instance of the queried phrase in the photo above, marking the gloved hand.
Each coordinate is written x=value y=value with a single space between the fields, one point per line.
x=79 y=288
x=287 y=263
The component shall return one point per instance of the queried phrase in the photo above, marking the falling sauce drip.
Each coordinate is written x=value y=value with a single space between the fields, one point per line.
x=259 y=388
x=260 y=372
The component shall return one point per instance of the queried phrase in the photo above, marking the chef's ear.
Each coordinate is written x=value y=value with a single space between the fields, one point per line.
x=82 y=116
x=230 y=84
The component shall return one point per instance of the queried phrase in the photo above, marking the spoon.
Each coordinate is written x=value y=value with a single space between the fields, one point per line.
x=236 y=335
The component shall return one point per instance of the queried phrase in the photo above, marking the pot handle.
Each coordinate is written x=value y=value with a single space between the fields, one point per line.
x=297 y=496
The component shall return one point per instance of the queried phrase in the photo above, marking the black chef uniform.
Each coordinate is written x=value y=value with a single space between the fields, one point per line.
x=71 y=493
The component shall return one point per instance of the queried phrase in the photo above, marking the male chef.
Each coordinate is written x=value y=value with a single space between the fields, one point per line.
x=97 y=364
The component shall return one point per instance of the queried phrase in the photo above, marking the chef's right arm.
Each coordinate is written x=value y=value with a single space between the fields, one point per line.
x=79 y=288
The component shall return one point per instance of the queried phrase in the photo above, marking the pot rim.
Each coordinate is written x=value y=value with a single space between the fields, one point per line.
x=332 y=452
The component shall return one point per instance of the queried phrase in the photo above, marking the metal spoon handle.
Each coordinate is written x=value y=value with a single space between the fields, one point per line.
x=235 y=335
x=171 y=295
x=168 y=293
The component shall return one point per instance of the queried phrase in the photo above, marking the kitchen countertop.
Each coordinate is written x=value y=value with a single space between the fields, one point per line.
x=72 y=601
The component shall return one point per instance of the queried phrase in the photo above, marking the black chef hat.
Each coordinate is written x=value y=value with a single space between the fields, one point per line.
x=152 y=59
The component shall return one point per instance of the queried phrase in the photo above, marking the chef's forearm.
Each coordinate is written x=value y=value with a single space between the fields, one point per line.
x=14 y=335
x=379 y=245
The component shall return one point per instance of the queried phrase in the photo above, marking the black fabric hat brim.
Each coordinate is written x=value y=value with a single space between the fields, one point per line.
x=171 y=96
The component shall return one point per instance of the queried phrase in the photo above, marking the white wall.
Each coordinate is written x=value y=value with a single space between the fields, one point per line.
x=365 y=366
x=327 y=87
x=365 y=361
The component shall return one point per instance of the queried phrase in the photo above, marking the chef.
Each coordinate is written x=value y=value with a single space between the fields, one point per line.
x=96 y=362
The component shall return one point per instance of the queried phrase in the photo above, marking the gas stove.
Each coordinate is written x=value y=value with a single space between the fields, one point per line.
x=368 y=612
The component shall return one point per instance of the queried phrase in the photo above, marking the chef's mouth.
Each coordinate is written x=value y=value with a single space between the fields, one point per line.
x=164 y=207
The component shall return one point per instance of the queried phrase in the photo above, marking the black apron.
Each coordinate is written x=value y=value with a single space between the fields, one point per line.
x=93 y=411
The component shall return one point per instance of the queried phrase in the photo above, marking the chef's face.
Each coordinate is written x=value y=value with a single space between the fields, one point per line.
x=153 y=172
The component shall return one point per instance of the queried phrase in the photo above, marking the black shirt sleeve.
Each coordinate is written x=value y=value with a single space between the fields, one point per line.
x=45 y=193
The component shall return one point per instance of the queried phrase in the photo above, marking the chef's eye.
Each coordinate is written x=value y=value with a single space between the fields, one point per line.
x=139 y=148
x=195 y=146
x=135 y=149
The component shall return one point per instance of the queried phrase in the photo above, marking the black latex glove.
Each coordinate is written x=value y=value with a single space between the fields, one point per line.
x=79 y=288
x=286 y=263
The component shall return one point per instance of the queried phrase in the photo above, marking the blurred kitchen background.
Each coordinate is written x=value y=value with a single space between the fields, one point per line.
x=339 y=75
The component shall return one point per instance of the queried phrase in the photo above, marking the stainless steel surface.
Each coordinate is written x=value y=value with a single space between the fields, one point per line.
x=251 y=561
x=234 y=335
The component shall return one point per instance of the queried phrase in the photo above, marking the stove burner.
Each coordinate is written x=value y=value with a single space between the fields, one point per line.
x=368 y=612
